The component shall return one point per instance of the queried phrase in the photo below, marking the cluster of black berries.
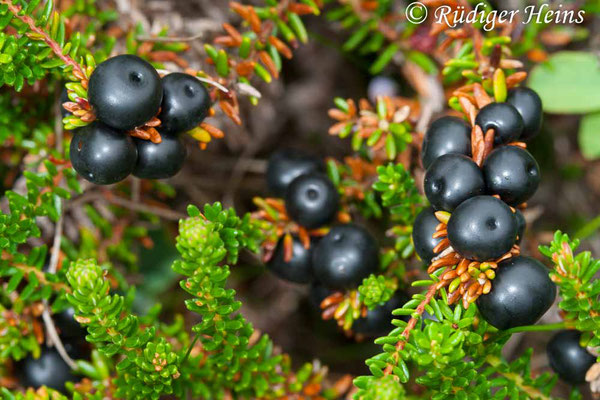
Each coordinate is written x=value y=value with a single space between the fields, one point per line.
x=337 y=261
x=49 y=369
x=126 y=92
x=483 y=227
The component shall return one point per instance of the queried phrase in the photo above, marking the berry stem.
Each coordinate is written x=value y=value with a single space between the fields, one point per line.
x=56 y=49
x=541 y=328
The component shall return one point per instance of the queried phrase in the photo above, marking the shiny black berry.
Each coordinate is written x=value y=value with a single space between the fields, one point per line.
x=423 y=229
x=512 y=173
x=286 y=165
x=299 y=268
x=378 y=321
x=521 y=225
x=185 y=103
x=101 y=154
x=529 y=105
x=452 y=179
x=567 y=358
x=345 y=256
x=67 y=326
x=446 y=135
x=125 y=91
x=312 y=200
x=504 y=119
x=48 y=370
x=159 y=160
x=521 y=293
x=482 y=228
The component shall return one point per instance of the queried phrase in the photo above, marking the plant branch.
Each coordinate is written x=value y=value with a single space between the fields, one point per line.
x=540 y=328
x=56 y=49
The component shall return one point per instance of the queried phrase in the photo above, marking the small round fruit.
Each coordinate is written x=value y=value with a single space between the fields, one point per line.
x=482 y=228
x=67 y=326
x=299 y=268
x=521 y=293
x=101 y=154
x=286 y=165
x=185 y=103
x=452 y=179
x=567 y=358
x=512 y=173
x=345 y=256
x=423 y=230
x=378 y=321
x=529 y=105
x=48 y=370
x=504 y=119
x=125 y=91
x=446 y=135
x=159 y=160
x=521 y=225
x=312 y=200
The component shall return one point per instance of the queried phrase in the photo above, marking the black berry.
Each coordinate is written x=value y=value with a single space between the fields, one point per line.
x=159 y=160
x=345 y=256
x=512 y=173
x=567 y=358
x=185 y=103
x=67 y=326
x=378 y=321
x=286 y=165
x=299 y=268
x=446 y=135
x=521 y=225
x=452 y=179
x=482 y=228
x=504 y=119
x=125 y=91
x=312 y=200
x=521 y=293
x=529 y=105
x=423 y=229
x=101 y=154
x=48 y=370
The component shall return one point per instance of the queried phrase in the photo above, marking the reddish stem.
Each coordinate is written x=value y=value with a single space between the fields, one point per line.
x=411 y=325
x=56 y=49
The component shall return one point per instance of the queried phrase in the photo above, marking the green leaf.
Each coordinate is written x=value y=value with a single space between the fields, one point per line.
x=589 y=136
x=568 y=83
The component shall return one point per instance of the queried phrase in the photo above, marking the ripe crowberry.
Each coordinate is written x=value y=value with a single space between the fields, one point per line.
x=521 y=293
x=512 y=173
x=452 y=179
x=312 y=200
x=446 y=135
x=521 y=225
x=125 y=91
x=345 y=256
x=482 y=228
x=286 y=165
x=529 y=105
x=67 y=326
x=185 y=103
x=504 y=119
x=567 y=358
x=378 y=321
x=101 y=154
x=48 y=370
x=423 y=230
x=159 y=160
x=299 y=268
